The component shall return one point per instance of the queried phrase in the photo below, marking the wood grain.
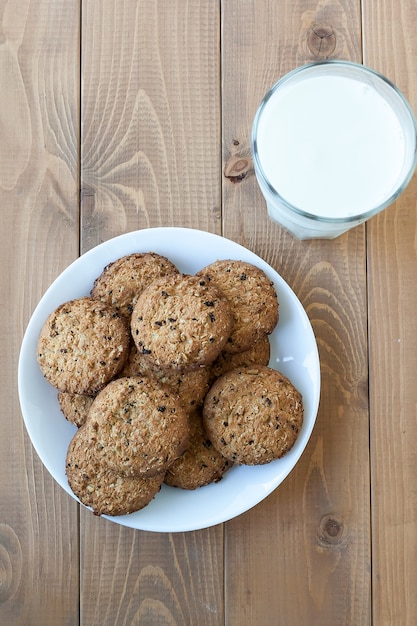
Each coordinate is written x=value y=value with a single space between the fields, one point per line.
x=151 y=134
x=150 y=156
x=167 y=91
x=389 y=32
x=393 y=346
x=151 y=579
x=39 y=80
x=316 y=569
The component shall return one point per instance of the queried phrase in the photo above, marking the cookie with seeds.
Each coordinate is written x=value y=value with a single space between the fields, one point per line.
x=75 y=407
x=258 y=354
x=139 y=426
x=181 y=322
x=106 y=492
x=82 y=345
x=190 y=386
x=252 y=298
x=253 y=415
x=201 y=464
x=123 y=280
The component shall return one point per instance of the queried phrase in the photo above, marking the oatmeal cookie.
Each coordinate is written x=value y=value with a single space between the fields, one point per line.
x=258 y=354
x=83 y=344
x=140 y=427
x=123 y=280
x=252 y=297
x=253 y=415
x=190 y=386
x=106 y=492
x=201 y=464
x=181 y=322
x=75 y=406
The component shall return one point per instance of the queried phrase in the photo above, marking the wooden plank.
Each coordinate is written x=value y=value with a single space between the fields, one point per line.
x=147 y=578
x=391 y=48
x=393 y=346
x=39 y=82
x=317 y=569
x=150 y=157
x=151 y=135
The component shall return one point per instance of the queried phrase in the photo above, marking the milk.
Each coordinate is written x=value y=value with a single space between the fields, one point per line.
x=333 y=143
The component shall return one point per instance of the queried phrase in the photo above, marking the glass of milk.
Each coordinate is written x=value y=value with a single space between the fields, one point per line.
x=333 y=144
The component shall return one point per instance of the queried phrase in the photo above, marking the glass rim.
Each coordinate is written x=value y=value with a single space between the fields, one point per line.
x=297 y=210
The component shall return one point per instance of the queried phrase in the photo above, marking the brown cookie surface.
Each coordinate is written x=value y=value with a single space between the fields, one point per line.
x=96 y=486
x=190 y=386
x=252 y=298
x=258 y=354
x=253 y=415
x=123 y=280
x=201 y=464
x=139 y=426
x=181 y=322
x=82 y=345
x=75 y=407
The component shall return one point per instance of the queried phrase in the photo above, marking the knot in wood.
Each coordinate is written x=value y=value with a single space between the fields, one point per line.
x=11 y=563
x=237 y=167
x=321 y=40
x=87 y=191
x=331 y=530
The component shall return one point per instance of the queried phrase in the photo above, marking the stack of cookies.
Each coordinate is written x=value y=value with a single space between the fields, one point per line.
x=166 y=377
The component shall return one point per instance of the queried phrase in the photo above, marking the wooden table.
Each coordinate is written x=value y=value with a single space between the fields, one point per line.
x=119 y=115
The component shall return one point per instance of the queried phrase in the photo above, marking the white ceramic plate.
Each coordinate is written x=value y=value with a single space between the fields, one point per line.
x=293 y=352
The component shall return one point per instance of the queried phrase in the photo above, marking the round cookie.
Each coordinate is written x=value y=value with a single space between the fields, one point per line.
x=181 y=322
x=252 y=297
x=253 y=415
x=82 y=345
x=105 y=491
x=75 y=407
x=190 y=386
x=139 y=426
x=201 y=464
x=258 y=354
x=123 y=280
